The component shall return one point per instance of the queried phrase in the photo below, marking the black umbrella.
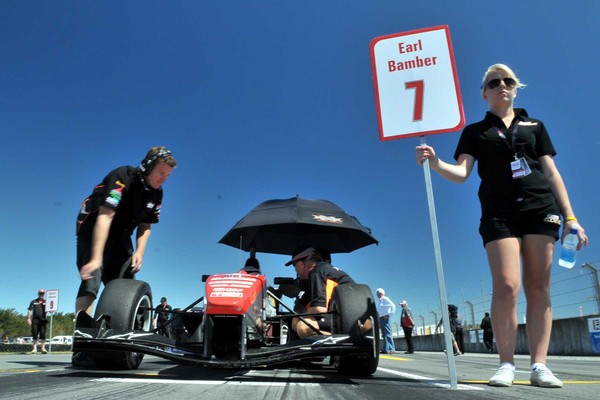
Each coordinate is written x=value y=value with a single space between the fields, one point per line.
x=283 y=226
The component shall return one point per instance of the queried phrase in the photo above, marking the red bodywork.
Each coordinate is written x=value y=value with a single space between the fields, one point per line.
x=235 y=294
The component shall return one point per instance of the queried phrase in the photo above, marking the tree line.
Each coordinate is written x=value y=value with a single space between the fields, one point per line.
x=14 y=324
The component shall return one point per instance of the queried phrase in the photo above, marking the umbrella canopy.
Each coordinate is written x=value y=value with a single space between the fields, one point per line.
x=283 y=226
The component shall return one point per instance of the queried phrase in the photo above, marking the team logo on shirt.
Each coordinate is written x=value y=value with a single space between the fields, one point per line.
x=326 y=218
x=527 y=123
x=150 y=205
x=114 y=196
x=552 y=219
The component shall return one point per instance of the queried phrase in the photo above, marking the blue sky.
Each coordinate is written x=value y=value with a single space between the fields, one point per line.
x=269 y=100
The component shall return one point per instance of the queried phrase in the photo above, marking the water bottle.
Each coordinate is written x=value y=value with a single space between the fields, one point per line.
x=568 y=253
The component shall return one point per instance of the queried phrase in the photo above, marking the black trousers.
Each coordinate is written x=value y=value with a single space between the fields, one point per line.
x=488 y=340
x=408 y=336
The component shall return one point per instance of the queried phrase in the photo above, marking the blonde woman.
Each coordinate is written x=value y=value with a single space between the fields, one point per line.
x=522 y=198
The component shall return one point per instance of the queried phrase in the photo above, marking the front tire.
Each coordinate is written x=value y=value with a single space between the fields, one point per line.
x=128 y=303
x=354 y=303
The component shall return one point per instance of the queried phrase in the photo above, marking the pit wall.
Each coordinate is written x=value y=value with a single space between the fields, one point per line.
x=570 y=337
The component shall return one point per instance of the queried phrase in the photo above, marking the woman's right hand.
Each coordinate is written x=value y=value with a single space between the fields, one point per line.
x=425 y=152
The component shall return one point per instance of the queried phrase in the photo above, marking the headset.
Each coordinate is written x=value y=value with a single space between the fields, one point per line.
x=147 y=164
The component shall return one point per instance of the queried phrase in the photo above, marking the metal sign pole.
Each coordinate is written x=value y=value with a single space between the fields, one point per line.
x=50 y=341
x=440 y=273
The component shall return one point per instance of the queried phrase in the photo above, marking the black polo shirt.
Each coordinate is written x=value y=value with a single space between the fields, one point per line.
x=123 y=190
x=490 y=143
x=162 y=312
x=38 y=309
x=318 y=277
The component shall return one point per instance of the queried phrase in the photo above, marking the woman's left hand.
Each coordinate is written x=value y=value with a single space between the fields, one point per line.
x=583 y=239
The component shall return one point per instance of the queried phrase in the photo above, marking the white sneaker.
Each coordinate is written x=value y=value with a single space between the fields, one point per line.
x=504 y=376
x=542 y=376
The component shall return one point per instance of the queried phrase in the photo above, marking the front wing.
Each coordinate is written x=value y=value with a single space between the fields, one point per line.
x=95 y=336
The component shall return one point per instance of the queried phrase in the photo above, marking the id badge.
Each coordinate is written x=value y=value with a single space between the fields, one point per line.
x=520 y=168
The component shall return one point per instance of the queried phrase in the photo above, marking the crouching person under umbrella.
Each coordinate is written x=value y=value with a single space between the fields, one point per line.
x=320 y=279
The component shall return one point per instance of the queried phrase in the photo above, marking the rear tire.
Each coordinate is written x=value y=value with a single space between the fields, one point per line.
x=128 y=303
x=353 y=303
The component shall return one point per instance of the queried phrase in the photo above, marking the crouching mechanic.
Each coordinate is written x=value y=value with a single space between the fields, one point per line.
x=320 y=279
x=128 y=199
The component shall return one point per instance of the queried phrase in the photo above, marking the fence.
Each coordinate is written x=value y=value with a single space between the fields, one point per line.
x=575 y=293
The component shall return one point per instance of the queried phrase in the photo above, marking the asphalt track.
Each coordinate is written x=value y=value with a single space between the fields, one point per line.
x=416 y=376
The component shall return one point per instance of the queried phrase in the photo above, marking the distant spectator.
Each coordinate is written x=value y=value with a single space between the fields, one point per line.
x=457 y=351
x=385 y=310
x=36 y=319
x=488 y=332
x=408 y=324
x=162 y=316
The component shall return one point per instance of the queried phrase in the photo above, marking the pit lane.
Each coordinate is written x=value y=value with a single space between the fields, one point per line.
x=417 y=376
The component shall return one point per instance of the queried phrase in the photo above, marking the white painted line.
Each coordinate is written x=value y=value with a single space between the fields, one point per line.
x=210 y=383
x=429 y=381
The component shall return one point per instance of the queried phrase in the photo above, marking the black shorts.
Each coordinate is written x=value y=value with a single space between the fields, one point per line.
x=116 y=264
x=38 y=329
x=530 y=222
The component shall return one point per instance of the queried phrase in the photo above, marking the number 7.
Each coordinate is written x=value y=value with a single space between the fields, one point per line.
x=418 y=109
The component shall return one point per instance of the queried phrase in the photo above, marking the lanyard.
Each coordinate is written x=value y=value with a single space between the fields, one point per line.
x=511 y=146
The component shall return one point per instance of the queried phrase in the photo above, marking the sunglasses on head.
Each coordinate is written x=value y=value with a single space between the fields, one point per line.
x=494 y=83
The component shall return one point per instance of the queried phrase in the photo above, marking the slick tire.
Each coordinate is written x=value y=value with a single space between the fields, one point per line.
x=128 y=303
x=352 y=303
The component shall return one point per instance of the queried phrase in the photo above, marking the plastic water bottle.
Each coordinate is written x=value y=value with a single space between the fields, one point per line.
x=568 y=253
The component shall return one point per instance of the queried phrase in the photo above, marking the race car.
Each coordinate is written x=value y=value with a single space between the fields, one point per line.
x=240 y=323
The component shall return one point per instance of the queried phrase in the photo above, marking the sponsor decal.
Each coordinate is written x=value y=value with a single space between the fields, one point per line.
x=150 y=205
x=114 y=197
x=327 y=218
x=226 y=294
x=527 y=123
x=552 y=219
x=120 y=184
x=227 y=290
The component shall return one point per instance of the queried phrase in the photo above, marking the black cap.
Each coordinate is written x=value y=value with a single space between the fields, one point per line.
x=303 y=255
x=163 y=299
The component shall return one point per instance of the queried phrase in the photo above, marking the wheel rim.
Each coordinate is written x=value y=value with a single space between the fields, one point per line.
x=142 y=317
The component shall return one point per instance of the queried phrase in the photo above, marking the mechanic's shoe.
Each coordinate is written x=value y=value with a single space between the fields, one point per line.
x=458 y=353
x=82 y=359
x=504 y=376
x=44 y=351
x=543 y=377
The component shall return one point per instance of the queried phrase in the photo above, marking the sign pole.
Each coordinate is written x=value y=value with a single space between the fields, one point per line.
x=417 y=94
x=440 y=273
x=50 y=341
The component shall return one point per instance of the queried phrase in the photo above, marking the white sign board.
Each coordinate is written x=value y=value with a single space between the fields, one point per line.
x=416 y=84
x=52 y=300
x=594 y=329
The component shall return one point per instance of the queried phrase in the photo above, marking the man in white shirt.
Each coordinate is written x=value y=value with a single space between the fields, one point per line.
x=385 y=309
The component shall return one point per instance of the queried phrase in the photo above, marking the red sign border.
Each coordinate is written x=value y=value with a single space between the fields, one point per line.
x=462 y=121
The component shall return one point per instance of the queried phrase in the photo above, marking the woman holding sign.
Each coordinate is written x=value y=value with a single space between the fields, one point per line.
x=522 y=196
